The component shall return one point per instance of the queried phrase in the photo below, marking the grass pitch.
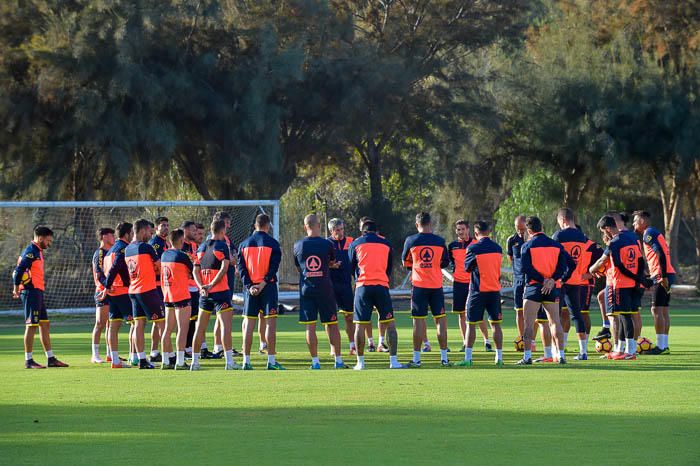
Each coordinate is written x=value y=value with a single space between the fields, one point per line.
x=624 y=412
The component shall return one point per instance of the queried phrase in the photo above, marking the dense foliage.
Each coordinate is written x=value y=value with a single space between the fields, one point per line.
x=466 y=108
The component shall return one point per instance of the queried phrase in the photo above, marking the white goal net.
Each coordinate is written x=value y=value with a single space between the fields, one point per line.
x=69 y=281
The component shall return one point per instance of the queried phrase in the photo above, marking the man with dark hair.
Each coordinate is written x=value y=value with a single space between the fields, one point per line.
x=199 y=238
x=189 y=247
x=313 y=257
x=663 y=276
x=258 y=262
x=341 y=277
x=176 y=272
x=160 y=244
x=576 y=245
x=231 y=278
x=513 y=246
x=544 y=263
x=627 y=265
x=146 y=304
x=457 y=251
x=28 y=285
x=425 y=254
x=106 y=239
x=483 y=262
x=116 y=283
x=210 y=273
x=371 y=262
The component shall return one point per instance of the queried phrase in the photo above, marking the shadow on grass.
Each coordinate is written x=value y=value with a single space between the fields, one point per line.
x=338 y=435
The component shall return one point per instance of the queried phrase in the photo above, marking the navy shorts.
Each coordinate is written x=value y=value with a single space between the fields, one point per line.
x=34 y=306
x=585 y=298
x=219 y=301
x=148 y=305
x=659 y=296
x=104 y=302
x=120 y=308
x=424 y=298
x=460 y=294
x=534 y=293
x=265 y=303
x=571 y=299
x=367 y=298
x=194 y=304
x=489 y=301
x=518 y=292
x=178 y=304
x=343 y=298
x=637 y=296
x=322 y=305
x=541 y=316
x=620 y=301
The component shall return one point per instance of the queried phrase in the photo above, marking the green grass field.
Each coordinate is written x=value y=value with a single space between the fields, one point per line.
x=644 y=411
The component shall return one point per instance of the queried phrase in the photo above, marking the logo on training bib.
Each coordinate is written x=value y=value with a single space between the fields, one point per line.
x=132 y=268
x=313 y=266
x=167 y=276
x=576 y=253
x=426 y=257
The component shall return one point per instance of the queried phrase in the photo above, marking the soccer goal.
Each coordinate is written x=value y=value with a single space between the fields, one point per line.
x=68 y=262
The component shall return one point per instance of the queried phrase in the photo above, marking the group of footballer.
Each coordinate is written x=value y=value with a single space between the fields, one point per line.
x=177 y=280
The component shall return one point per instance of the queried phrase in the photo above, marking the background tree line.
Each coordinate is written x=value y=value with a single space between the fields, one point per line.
x=466 y=108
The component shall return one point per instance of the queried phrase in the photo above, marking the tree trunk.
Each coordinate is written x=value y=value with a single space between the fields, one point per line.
x=374 y=169
x=672 y=202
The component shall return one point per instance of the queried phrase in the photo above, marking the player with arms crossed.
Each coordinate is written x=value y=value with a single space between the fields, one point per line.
x=371 y=262
x=663 y=276
x=28 y=285
x=544 y=262
x=313 y=257
x=106 y=237
x=457 y=251
x=210 y=272
x=425 y=254
x=176 y=273
x=483 y=263
x=259 y=259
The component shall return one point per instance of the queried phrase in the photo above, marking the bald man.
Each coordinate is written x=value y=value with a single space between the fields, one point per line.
x=314 y=257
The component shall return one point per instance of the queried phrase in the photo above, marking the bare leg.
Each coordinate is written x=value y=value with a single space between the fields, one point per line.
x=484 y=330
x=139 y=336
x=312 y=340
x=155 y=336
x=520 y=321
x=29 y=332
x=463 y=325
x=271 y=335
x=183 y=327
x=334 y=338
x=247 y=328
x=170 y=322
x=419 y=333
x=441 y=326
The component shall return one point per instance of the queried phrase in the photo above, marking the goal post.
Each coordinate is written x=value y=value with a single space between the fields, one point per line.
x=70 y=285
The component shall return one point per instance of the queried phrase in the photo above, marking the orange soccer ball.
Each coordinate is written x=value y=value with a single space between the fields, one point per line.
x=519 y=344
x=603 y=345
x=644 y=344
